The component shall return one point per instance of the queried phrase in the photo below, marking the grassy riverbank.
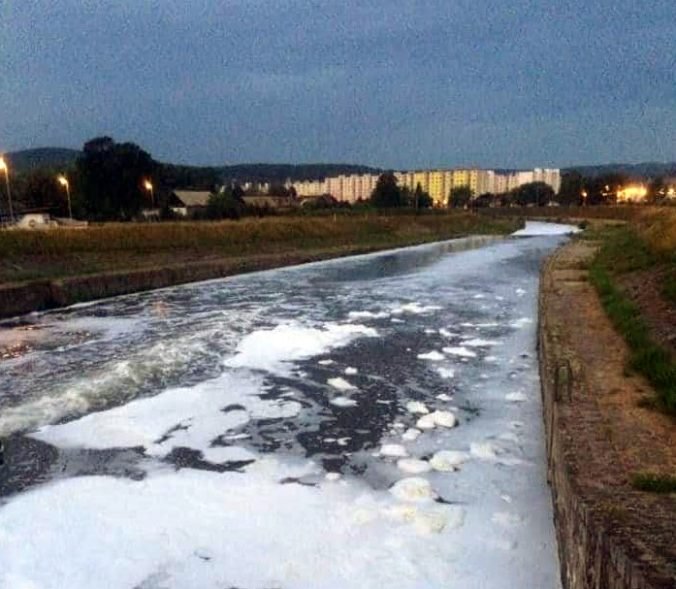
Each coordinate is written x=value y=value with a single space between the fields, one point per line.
x=634 y=273
x=40 y=255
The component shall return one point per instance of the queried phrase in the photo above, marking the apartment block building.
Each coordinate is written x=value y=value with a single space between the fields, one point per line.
x=438 y=183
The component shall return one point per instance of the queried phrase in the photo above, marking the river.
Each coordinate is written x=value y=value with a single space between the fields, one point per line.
x=372 y=421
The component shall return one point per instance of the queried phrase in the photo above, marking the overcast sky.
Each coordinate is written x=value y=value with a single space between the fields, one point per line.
x=391 y=83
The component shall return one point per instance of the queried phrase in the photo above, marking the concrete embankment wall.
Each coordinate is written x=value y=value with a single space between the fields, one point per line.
x=42 y=295
x=50 y=294
x=596 y=533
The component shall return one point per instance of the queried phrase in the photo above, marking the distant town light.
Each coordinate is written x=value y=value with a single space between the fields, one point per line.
x=62 y=180
x=632 y=193
x=147 y=184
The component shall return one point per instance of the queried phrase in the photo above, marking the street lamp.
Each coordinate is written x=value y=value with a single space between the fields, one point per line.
x=148 y=185
x=61 y=178
x=5 y=169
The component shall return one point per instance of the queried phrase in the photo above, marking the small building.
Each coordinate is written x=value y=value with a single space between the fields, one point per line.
x=189 y=203
x=35 y=221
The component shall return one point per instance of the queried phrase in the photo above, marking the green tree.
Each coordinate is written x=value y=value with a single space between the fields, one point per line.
x=421 y=199
x=111 y=178
x=533 y=193
x=224 y=205
x=572 y=187
x=460 y=197
x=387 y=193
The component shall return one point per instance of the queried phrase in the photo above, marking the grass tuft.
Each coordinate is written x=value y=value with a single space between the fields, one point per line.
x=654 y=483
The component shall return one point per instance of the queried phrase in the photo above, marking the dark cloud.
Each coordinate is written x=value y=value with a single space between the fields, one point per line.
x=398 y=83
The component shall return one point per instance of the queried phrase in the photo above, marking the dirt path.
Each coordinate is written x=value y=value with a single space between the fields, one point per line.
x=605 y=435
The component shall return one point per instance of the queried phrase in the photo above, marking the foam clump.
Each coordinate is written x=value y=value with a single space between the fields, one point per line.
x=343 y=402
x=417 y=407
x=413 y=465
x=415 y=309
x=393 y=450
x=411 y=434
x=434 y=356
x=446 y=372
x=517 y=397
x=341 y=384
x=332 y=476
x=448 y=460
x=272 y=349
x=460 y=351
x=413 y=489
x=484 y=450
x=351 y=371
x=437 y=418
x=479 y=343
x=444 y=397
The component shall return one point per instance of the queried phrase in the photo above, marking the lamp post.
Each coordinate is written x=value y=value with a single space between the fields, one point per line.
x=148 y=185
x=5 y=169
x=64 y=182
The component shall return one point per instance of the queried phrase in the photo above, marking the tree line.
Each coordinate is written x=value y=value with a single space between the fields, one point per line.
x=113 y=181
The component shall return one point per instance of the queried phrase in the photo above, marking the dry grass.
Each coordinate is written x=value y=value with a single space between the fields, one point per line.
x=658 y=229
x=27 y=255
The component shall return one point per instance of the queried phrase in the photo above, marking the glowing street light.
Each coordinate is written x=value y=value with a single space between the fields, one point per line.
x=61 y=179
x=148 y=185
x=5 y=169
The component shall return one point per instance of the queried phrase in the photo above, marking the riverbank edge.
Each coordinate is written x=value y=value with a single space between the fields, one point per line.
x=44 y=295
x=594 y=545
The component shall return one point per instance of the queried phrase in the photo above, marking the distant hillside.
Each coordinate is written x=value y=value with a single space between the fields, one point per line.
x=57 y=157
x=42 y=157
x=643 y=170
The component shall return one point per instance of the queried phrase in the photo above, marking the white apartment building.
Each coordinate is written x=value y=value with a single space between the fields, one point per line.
x=354 y=187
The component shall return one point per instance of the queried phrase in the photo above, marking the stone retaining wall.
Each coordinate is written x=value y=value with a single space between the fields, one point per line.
x=601 y=524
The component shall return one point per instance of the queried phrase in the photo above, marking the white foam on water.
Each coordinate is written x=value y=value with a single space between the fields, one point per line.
x=343 y=402
x=359 y=315
x=413 y=465
x=411 y=434
x=479 y=343
x=444 y=397
x=275 y=349
x=351 y=371
x=185 y=529
x=516 y=397
x=446 y=372
x=460 y=351
x=534 y=228
x=521 y=322
x=484 y=450
x=415 y=309
x=448 y=460
x=443 y=418
x=393 y=451
x=327 y=362
x=190 y=417
x=116 y=381
x=434 y=356
x=416 y=407
x=413 y=489
x=341 y=384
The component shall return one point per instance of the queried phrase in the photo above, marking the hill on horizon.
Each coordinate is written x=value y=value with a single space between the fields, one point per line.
x=58 y=157
x=640 y=170
x=27 y=160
